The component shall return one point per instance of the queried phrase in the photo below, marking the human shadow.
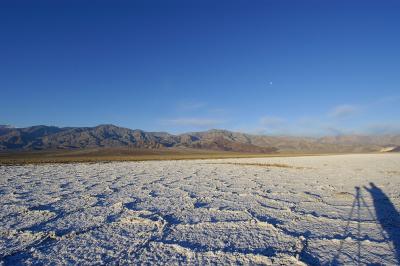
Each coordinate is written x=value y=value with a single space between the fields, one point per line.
x=387 y=220
x=387 y=216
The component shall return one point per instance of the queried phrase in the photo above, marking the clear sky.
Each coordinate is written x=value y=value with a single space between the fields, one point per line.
x=271 y=67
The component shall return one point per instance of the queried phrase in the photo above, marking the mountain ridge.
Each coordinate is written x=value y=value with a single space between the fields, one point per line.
x=42 y=137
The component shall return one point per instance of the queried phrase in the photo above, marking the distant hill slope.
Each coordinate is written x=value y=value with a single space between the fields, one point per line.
x=48 y=137
x=392 y=149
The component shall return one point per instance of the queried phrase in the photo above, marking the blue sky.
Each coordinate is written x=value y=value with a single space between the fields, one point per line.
x=268 y=67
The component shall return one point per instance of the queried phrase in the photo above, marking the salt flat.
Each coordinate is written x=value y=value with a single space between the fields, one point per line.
x=294 y=210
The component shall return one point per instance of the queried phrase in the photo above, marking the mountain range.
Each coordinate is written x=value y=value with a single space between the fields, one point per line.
x=110 y=136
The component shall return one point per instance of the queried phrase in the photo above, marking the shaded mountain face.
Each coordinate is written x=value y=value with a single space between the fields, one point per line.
x=43 y=137
x=395 y=149
x=46 y=137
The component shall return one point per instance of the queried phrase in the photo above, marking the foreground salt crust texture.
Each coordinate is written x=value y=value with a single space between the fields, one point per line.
x=203 y=212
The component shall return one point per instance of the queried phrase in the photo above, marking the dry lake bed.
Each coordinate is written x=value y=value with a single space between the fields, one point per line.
x=332 y=210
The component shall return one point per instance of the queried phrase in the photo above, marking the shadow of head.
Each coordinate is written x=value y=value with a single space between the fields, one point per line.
x=372 y=185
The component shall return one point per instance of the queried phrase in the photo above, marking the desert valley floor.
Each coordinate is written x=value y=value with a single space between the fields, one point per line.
x=333 y=210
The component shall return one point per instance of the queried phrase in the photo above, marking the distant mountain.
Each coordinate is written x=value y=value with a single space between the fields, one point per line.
x=49 y=137
x=397 y=149
x=391 y=149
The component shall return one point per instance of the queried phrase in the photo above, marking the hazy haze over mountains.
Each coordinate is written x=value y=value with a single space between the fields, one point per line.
x=50 y=137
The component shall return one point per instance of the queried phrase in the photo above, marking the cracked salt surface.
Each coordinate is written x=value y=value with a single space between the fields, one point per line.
x=204 y=212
